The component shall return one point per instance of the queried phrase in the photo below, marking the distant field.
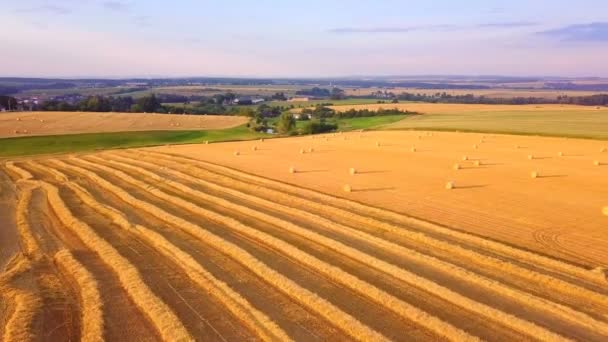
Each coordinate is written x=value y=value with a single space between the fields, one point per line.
x=296 y=104
x=68 y=143
x=550 y=120
x=493 y=93
x=20 y=124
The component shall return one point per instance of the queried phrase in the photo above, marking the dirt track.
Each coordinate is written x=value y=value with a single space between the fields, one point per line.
x=52 y=123
x=178 y=245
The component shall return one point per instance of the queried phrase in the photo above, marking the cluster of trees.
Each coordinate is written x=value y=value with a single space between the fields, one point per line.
x=259 y=116
x=8 y=102
x=334 y=94
x=279 y=97
x=353 y=113
x=316 y=92
x=321 y=111
x=316 y=126
x=147 y=104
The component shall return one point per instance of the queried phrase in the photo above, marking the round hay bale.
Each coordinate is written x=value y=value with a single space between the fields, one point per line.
x=475 y=146
x=311 y=150
x=597 y=163
x=465 y=158
x=530 y=157
x=456 y=166
x=517 y=146
x=237 y=153
x=377 y=144
x=302 y=151
x=206 y=142
x=41 y=120
x=292 y=170
x=450 y=185
x=534 y=174
x=603 y=149
x=25 y=131
x=352 y=171
x=561 y=154
x=605 y=210
x=477 y=163
x=18 y=119
x=413 y=149
x=262 y=140
x=254 y=148
x=347 y=188
x=16 y=131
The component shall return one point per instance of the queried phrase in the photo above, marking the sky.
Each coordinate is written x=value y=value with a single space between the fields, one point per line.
x=303 y=38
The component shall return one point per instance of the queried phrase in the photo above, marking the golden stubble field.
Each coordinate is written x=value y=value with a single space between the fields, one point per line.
x=258 y=240
x=52 y=123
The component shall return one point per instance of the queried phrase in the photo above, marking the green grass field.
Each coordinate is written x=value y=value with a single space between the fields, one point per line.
x=575 y=123
x=24 y=146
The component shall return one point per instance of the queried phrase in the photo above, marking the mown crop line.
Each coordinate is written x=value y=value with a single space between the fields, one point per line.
x=91 y=304
x=515 y=253
x=523 y=297
x=429 y=286
x=237 y=305
x=159 y=313
x=324 y=308
x=25 y=304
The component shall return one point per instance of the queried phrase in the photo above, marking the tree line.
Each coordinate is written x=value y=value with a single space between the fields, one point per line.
x=589 y=100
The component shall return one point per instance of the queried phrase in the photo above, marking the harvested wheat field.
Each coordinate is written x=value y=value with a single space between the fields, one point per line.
x=260 y=241
x=52 y=123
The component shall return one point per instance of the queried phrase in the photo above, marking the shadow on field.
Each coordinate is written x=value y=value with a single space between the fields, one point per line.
x=464 y=187
x=372 y=172
x=552 y=176
x=312 y=171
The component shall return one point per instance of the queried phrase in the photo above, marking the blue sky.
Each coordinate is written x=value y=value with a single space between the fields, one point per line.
x=124 y=38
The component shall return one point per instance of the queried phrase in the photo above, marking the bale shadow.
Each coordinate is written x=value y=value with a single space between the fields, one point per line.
x=311 y=171
x=552 y=176
x=375 y=189
x=372 y=172
x=464 y=187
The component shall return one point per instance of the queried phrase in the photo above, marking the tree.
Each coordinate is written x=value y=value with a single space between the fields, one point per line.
x=337 y=94
x=10 y=103
x=149 y=104
x=286 y=123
